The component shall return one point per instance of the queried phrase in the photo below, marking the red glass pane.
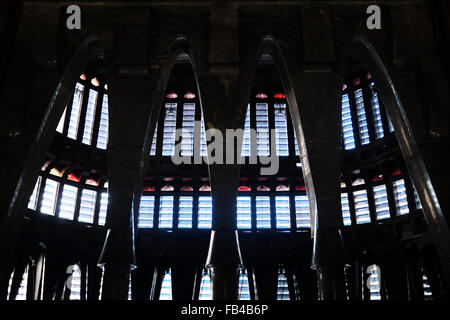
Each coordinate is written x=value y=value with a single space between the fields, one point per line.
x=279 y=95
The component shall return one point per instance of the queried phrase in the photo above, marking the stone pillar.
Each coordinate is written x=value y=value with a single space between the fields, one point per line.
x=126 y=137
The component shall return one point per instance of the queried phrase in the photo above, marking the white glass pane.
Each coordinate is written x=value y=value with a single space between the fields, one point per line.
x=90 y=115
x=361 y=207
x=75 y=112
x=60 y=126
x=22 y=292
x=68 y=200
x=281 y=129
x=374 y=282
x=33 y=199
x=103 y=208
x=246 y=138
x=146 y=210
x=377 y=120
x=263 y=212
x=283 y=217
x=204 y=212
x=381 y=202
x=48 y=202
x=166 y=212
x=205 y=288
x=187 y=141
x=302 y=212
x=166 y=287
x=282 y=287
x=75 y=288
x=244 y=290
x=262 y=129
x=243 y=213
x=102 y=140
x=345 y=209
x=170 y=124
x=203 y=146
x=185 y=212
x=347 y=125
x=401 y=201
x=87 y=206
x=362 y=120
x=153 y=147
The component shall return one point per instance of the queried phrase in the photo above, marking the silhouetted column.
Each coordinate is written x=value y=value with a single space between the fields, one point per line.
x=126 y=136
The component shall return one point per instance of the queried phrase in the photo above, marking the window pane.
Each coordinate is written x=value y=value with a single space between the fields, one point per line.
x=75 y=288
x=170 y=124
x=263 y=212
x=60 y=126
x=374 y=282
x=185 y=212
x=87 y=206
x=401 y=201
x=377 y=121
x=203 y=146
x=90 y=115
x=204 y=212
x=187 y=142
x=153 y=147
x=362 y=120
x=102 y=140
x=49 y=197
x=262 y=129
x=361 y=207
x=282 y=287
x=75 y=112
x=103 y=208
x=381 y=202
x=165 y=212
x=347 y=125
x=282 y=212
x=244 y=219
x=281 y=129
x=33 y=199
x=416 y=199
x=166 y=287
x=302 y=212
x=205 y=288
x=22 y=292
x=244 y=290
x=146 y=209
x=68 y=200
x=246 y=139
x=345 y=209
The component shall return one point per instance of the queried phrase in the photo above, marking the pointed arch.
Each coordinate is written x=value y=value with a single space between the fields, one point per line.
x=89 y=50
x=361 y=48
x=270 y=46
x=180 y=45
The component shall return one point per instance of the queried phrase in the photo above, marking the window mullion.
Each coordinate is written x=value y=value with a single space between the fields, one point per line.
x=273 y=217
x=195 y=208
x=271 y=114
x=176 y=208
x=76 y=213
x=156 y=209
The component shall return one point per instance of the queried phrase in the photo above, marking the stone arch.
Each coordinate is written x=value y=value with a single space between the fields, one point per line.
x=361 y=48
x=89 y=50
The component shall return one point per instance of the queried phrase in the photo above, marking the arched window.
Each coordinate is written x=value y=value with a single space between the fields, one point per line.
x=85 y=119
